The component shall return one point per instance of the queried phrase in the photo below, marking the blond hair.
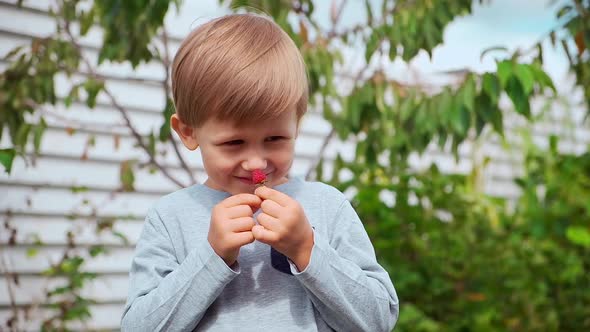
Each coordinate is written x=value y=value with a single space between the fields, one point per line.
x=241 y=67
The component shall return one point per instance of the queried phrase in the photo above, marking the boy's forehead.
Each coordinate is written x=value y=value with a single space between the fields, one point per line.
x=284 y=119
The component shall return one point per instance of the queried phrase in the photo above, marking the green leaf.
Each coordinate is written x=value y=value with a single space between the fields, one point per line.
x=542 y=78
x=445 y=104
x=78 y=189
x=6 y=159
x=496 y=119
x=406 y=109
x=504 y=71
x=73 y=95
x=491 y=87
x=92 y=87
x=22 y=135
x=121 y=236
x=152 y=144
x=38 y=134
x=165 y=129
x=86 y=21
x=468 y=93
x=372 y=44
x=354 y=112
x=553 y=141
x=519 y=99
x=96 y=250
x=32 y=252
x=526 y=77
x=578 y=235
x=460 y=119
x=127 y=176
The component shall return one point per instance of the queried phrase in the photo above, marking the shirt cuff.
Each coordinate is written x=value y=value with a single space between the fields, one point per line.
x=216 y=265
x=316 y=259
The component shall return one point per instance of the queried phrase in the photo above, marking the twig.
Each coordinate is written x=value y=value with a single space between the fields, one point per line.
x=320 y=154
x=8 y=276
x=355 y=29
x=583 y=12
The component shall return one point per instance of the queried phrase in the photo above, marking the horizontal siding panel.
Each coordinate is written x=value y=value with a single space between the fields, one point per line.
x=70 y=173
x=116 y=261
x=52 y=231
x=38 y=24
x=32 y=289
x=57 y=201
x=105 y=317
x=132 y=94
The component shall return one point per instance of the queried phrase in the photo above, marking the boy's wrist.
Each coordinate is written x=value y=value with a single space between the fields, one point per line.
x=302 y=257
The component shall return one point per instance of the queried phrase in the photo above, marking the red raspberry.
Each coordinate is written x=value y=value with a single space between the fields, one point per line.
x=258 y=177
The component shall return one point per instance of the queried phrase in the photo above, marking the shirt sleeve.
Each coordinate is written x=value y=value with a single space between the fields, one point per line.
x=346 y=284
x=168 y=295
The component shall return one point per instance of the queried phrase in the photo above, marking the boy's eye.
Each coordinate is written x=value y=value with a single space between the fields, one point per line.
x=234 y=142
x=273 y=138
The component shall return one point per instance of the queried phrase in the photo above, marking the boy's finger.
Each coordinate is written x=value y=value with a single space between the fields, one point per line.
x=242 y=224
x=271 y=207
x=244 y=238
x=268 y=222
x=242 y=199
x=263 y=235
x=275 y=195
x=239 y=211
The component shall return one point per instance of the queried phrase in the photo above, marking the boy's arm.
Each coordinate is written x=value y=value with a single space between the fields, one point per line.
x=167 y=295
x=351 y=291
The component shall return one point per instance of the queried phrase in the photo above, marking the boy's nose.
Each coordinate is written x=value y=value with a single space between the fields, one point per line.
x=254 y=162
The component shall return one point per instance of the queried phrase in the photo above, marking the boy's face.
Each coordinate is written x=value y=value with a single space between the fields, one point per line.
x=231 y=152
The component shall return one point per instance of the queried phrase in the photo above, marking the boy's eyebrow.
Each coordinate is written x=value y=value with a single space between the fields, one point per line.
x=226 y=138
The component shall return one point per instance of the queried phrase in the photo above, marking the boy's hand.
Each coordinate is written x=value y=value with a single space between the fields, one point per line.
x=231 y=225
x=283 y=225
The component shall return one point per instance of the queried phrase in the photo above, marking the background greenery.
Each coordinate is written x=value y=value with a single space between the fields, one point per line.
x=460 y=259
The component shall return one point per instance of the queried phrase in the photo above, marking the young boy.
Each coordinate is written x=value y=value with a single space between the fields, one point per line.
x=228 y=255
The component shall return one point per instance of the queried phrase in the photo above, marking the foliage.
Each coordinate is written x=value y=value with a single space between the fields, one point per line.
x=460 y=260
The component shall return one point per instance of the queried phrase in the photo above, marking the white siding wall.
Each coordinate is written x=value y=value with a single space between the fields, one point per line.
x=38 y=199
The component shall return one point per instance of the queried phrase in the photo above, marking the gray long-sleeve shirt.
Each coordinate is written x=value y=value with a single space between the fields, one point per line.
x=178 y=283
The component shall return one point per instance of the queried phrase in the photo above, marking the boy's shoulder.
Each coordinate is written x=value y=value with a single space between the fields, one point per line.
x=174 y=198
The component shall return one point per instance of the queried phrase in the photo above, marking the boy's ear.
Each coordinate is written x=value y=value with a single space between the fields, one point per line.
x=186 y=133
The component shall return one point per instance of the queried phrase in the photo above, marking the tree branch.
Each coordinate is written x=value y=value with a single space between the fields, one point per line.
x=121 y=110
x=328 y=138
